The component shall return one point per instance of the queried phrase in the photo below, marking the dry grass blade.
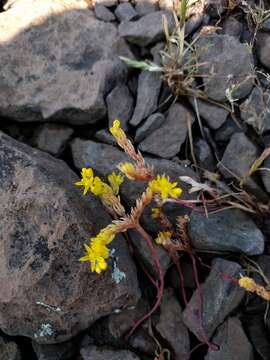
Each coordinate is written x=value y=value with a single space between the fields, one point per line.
x=256 y=165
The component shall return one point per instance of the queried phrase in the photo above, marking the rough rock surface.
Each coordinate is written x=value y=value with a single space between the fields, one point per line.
x=125 y=12
x=52 y=138
x=171 y=327
x=63 y=351
x=255 y=110
x=220 y=297
x=214 y=115
x=147 y=30
x=232 y=341
x=99 y=353
x=228 y=230
x=49 y=71
x=175 y=127
x=120 y=105
x=152 y=123
x=104 y=14
x=9 y=350
x=204 y=155
x=149 y=85
x=47 y=294
x=217 y=51
x=263 y=49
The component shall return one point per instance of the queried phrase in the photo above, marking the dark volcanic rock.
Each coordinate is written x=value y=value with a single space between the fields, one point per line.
x=214 y=115
x=104 y=14
x=147 y=30
x=62 y=351
x=150 y=125
x=47 y=294
x=255 y=110
x=148 y=90
x=96 y=353
x=263 y=48
x=171 y=327
x=125 y=12
x=62 y=67
x=228 y=230
x=220 y=297
x=215 y=8
x=52 y=138
x=175 y=127
x=222 y=75
x=9 y=350
x=120 y=105
x=204 y=155
x=232 y=341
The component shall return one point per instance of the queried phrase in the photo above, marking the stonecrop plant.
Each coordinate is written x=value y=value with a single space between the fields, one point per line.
x=174 y=238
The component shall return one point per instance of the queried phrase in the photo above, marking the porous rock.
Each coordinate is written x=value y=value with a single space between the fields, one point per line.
x=228 y=230
x=224 y=77
x=47 y=294
x=58 y=61
x=220 y=296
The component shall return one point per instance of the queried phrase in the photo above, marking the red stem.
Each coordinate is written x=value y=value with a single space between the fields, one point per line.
x=160 y=288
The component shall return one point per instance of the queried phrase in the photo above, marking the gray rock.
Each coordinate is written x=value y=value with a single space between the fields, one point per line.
x=265 y=174
x=149 y=85
x=120 y=105
x=175 y=128
x=215 y=116
x=204 y=155
x=103 y=135
x=107 y=3
x=225 y=132
x=125 y=12
x=147 y=30
x=145 y=255
x=99 y=353
x=228 y=230
x=62 y=351
x=193 y=23
x=266 y=25
x=232 y=341
x=9 y=350
x=52 y=138
x=60 y=74
x=238 y=157
x=263 y=49
x=45 y=221
x=257 y=332
x=141 y=341
x=112 y=329
x=220 y=297
x=232 y=27
x=221 y=74
x=215 y=8
x=104 y=14
x=144 y=7
x=255 y=110
x=152 y=123
x=171 y=327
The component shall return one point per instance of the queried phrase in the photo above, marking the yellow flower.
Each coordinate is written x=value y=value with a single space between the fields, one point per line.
x=87 y=179
x=163 y=237
x=155 y=213
x=97 y=187
x=247 y=283
x=94 y=256
x=162 y=185
x=116 y=130
x=115 y=181
x=128 y=169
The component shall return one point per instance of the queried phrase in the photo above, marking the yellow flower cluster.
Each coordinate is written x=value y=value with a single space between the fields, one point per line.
x=250 y=285
x=98 y=187
x=97 y=251
x=163 y=237
x=161 y=185
x=116 y=130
